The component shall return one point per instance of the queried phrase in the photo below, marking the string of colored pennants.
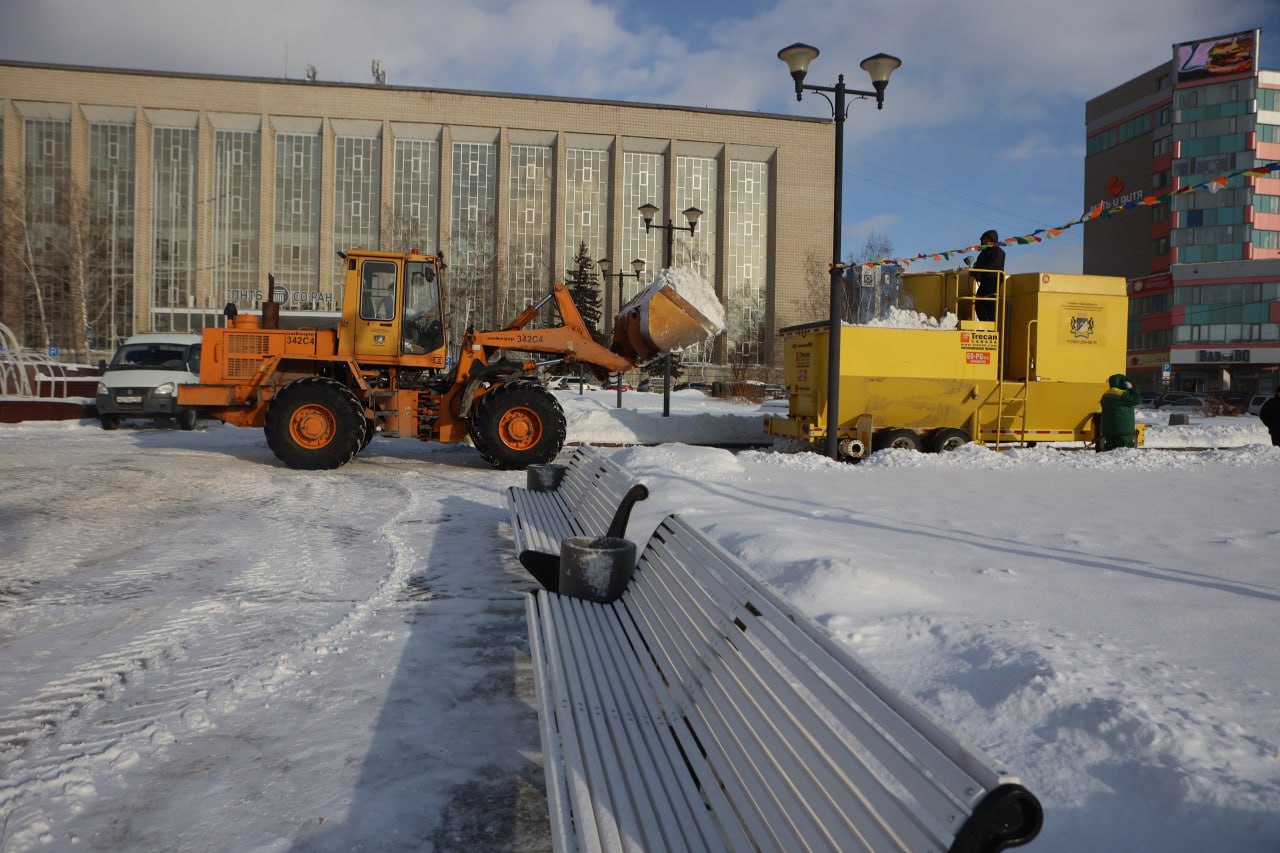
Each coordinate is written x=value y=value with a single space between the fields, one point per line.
x=1102 y=210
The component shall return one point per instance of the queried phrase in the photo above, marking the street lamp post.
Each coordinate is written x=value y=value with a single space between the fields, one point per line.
x=692 y=215
x=637 y=267
x=879 y=67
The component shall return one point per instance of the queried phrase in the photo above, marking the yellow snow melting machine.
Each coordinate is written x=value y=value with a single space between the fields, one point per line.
x=1034 y=374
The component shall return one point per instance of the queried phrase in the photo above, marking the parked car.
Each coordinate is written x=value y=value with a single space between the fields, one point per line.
x=1234 y=402
x=1254 y=406
x=570 y=383
x=704 y=387
x=143 y=377
x=1171 y=397
x=1189 y=406
x=650 y=385
x=613 y=386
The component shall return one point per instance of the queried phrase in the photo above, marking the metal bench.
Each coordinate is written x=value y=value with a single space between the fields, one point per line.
x=595 y=498
x=701 y=712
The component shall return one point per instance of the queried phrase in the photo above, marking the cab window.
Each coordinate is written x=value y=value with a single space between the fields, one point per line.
x=422 y=331
x=378 y=290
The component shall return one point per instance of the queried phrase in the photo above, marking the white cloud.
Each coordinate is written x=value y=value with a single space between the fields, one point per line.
x=989 y=61
x=855 y=233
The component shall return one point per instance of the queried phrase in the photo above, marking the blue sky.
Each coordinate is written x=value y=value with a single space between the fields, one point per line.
x=983 y=125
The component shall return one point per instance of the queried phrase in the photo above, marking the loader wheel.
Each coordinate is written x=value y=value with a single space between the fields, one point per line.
x=370 y=430
x=518 y=423
x=946 y=440
x=897 y=438
x=315 y=424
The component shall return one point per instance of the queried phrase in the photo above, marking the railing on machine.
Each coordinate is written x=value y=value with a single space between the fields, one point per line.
x=27 y=373
x=1006 y=422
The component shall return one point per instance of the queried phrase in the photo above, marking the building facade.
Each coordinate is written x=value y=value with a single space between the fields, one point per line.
x=137 y=201
x=1203 y=263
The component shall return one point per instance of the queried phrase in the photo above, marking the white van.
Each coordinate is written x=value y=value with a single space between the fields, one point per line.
x=143 y=377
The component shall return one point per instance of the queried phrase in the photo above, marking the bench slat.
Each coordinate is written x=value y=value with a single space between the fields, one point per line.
x=701 y=712
x=865 y=725
x=938 y=779
x=655 y=765
x=735 y=828
x=601 y=760
x=684 y=823
x=553 y=757
x=804 y=751
x=589 y=496
x=921 y=733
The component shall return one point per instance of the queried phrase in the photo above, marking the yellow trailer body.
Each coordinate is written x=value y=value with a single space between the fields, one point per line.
x=1034 y=374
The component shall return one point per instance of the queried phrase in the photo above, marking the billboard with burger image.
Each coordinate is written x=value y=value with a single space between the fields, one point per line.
x=1216 y=58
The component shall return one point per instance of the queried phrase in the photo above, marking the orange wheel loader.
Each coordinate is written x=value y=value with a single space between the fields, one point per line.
x=321 y=395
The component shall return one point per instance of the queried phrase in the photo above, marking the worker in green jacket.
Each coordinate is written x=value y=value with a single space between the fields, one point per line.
x=1117 y=423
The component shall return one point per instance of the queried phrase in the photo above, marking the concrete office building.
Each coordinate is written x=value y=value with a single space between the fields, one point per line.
x=1204 y=267
x=138 y=201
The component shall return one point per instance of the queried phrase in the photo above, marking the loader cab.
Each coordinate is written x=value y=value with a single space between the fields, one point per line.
x=423 y=329
x=394 y=309
x=375 y=329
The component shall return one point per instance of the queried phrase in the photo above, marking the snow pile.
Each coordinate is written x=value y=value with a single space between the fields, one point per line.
x=344 y=647
x=905 y=318
x=694 y=289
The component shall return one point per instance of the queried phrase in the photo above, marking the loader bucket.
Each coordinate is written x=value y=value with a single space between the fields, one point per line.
x=658 y=321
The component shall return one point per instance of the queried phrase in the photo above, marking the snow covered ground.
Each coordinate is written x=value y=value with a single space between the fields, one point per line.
x=204 y=650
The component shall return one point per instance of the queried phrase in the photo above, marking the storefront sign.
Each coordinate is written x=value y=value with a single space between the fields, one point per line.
x=303 y=300
x=1235 y=356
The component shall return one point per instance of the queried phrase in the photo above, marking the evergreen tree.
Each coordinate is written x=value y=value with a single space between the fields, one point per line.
x=654 y=368
x=584 y=287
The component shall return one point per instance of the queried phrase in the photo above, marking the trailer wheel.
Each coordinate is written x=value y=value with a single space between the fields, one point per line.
x=896 y=438
x=315 y=424
x=518 y=423
x=946 y=440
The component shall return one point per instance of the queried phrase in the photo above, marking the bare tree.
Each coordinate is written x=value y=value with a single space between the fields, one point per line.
x=405 y=232
x=816 y=302
x=475 y=267
x=57 y=252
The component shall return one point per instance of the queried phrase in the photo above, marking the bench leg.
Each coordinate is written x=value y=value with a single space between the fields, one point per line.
x=545 y=568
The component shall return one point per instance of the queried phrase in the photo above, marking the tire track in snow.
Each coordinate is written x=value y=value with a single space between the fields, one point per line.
x=223 y=649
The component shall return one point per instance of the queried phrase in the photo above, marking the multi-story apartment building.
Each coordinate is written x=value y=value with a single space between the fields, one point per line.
x=1203 y=263
x=138 y=201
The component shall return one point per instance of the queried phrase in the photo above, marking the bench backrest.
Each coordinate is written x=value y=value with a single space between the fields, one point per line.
x=811 y=747
x=594 y=486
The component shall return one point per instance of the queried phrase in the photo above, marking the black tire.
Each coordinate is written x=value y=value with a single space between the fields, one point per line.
x=370 y=430
x=110 y=421
x=518 y=423
x=895 y=437
x=315 y=424
x=187 y=419
x=946 y=440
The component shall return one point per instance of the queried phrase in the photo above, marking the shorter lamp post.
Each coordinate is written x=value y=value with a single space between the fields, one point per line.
x=692 y=215
x=605 y=265
x=878 y=67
